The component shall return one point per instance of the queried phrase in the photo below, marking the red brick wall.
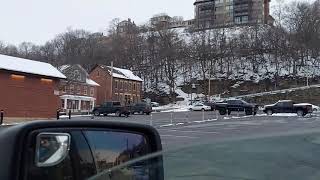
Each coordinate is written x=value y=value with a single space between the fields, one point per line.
x=127 y=91
x=29 y=97
x=104 y=80
x=100 y=76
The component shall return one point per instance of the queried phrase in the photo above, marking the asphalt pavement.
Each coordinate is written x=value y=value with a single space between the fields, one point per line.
x=178 y=129
x=205 y=145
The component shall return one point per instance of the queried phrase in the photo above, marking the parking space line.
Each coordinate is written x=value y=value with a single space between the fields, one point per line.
x=168 y=135
x=188 y=131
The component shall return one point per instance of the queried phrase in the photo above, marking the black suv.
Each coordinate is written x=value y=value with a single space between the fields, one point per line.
x=141 y=108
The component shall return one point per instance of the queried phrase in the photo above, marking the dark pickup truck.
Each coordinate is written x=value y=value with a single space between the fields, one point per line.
x=288 y=106
x=141 y=108
x=236 y=105
x=111 y=107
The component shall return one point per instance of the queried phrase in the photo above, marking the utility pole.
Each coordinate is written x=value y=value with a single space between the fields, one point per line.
x=111 y=84
x=209 y=88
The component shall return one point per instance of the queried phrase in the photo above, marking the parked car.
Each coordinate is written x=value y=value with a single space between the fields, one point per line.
x=141 y=108
x=236 y=105
x=211 y=104
x=200 y=107
x=111 y=107
x=288 y=106
x=155 y=104
x=314 y=107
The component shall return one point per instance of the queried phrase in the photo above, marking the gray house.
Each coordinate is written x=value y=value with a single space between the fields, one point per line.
x=78 y=92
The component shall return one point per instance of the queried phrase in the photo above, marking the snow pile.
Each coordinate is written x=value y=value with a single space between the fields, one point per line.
x=180 y=106
x=28 y=66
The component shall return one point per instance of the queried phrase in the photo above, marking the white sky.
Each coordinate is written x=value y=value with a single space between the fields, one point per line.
x=40 y=20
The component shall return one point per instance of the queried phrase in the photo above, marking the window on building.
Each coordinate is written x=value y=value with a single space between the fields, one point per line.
x=237 y=20
x=98 y=73
x=134 y=86
x=244 y=19
x=138 y=87
x=91 y=91
x=130 y=86
x=85 y=90
x=120 y=97
x=71 y=88
x=64 y=88
x=229 y=8
x=121 y=85
x=18 y=77
x=77 y=75
x=125 y=85
x=62 y=103
x=116 y=84
x=78 y=89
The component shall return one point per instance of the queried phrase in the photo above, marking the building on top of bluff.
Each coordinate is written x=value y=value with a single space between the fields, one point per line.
x=210 y=14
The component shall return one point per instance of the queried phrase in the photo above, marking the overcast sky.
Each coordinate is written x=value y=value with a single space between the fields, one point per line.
x=40 y=20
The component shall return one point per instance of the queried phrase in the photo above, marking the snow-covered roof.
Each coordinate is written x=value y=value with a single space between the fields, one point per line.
x=64 y=67
x=28 y=66
x=122 y=73
x=91 y=82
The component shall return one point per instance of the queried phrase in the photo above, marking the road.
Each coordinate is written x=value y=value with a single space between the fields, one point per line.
x=209 y=146
x=187 y=128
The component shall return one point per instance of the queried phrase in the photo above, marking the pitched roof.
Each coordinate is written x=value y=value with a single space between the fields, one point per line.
x=28 y=66
x=121 y=73
x=65 y=68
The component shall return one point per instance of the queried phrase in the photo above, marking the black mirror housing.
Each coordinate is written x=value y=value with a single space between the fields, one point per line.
x=14 y=138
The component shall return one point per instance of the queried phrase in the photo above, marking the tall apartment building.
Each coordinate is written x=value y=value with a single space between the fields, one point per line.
x=223 y=13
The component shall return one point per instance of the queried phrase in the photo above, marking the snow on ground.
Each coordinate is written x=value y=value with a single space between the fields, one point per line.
x=180 y=106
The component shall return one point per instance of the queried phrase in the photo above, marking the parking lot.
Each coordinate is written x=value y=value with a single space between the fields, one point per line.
x=188 y=128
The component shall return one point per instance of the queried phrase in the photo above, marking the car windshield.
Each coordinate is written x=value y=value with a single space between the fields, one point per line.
x=200 y=72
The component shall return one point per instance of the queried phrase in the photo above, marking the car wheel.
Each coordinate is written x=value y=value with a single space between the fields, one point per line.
x=300 y=113
x=222 y=112
x=202 y=109
x=96 y=113
x=248 y=112
x=269 y=112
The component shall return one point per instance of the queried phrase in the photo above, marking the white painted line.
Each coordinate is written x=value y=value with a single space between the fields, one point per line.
x=182 y=131
x=209 y=120
x=179 y=124
x=167 y=125
x=167 y=135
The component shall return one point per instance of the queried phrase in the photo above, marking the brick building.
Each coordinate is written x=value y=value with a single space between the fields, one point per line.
x=116 y=84
x=28 y=89
x=78 y=92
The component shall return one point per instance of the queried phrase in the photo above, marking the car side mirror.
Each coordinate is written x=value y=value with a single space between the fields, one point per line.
x=91 y=150
x=51 y=148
